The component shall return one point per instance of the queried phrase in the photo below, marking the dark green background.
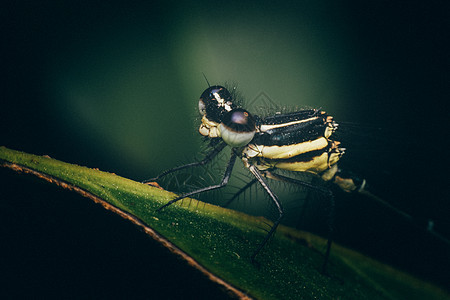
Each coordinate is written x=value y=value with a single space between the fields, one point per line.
x=115 y=85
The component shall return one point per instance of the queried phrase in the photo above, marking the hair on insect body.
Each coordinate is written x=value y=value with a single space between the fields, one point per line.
x=298 y=141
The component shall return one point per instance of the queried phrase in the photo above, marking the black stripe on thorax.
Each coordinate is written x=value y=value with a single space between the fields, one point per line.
x=291 y=134
x=289 y=117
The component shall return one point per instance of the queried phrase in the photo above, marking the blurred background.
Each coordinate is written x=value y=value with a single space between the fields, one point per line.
x=115 y=85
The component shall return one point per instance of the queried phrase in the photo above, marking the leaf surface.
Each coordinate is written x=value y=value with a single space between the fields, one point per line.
x=219 y=241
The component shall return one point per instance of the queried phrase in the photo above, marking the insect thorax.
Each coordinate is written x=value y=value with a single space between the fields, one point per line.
x=297 y=141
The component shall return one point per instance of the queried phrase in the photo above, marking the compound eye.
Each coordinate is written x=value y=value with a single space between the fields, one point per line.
x=216 y=93
x=202 y=107
x=237 y=128
x=217 y=100
x=219 y=94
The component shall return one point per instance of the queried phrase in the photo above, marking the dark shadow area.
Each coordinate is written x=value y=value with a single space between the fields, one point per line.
x=57 y=244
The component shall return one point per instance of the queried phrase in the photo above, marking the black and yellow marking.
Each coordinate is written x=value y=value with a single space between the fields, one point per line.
x=296 y=142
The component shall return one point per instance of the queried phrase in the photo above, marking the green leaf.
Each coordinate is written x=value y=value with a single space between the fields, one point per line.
x=219 y=241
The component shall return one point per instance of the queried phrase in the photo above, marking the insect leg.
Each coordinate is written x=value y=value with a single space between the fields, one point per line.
x=332 y=204
x=224 y=182
x=279 y=177
x=275 y=200
x=248 y=185
x=207 y=159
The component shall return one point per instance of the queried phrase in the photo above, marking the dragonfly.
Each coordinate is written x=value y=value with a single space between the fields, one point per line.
x=300 y=141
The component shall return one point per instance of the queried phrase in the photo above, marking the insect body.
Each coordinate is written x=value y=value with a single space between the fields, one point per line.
x=299 y=141
x=296 y=141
